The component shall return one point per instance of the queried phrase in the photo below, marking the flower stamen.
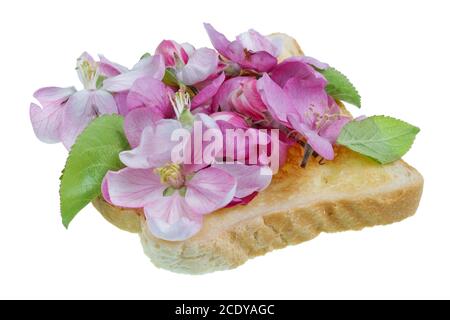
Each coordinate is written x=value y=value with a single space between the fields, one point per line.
x=171 y=175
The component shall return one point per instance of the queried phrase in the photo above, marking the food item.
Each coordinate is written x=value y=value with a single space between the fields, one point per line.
x=215 y=157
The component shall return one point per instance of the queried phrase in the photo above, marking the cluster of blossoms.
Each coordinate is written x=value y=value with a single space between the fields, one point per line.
x=242 y=84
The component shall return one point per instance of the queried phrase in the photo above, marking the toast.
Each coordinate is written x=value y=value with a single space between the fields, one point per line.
x=349 y=193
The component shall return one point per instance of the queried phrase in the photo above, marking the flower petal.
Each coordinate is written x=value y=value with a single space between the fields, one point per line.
x=170 y=50
x=202 y=63
x=78 y=112
x=207 y=93
x=290 y=68
x=218 y=40
x=170 y=218
x=121 y=102
x=249 y=179
x=109 y=68
x=319 y=144
x=260 y=61
x=153 y=94
x=307 y=94
x=50 y=96
x=247 y=100
x=132 y=188
x=147 y=67
x=135 y=123
x=47 y=122
x=222 y=98
x=188 y=48
x=315 y=63
x=155 y=147
x=153 y=65
x=210 y=189
x=276 y=100
x=253 y=41
x=332 y=130
x=103 y=102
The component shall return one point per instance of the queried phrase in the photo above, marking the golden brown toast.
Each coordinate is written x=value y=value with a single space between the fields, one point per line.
x=349 y=193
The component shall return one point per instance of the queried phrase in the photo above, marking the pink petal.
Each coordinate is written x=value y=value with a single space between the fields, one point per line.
x=196 y=160
x=315 y=63
x=247 y=100
x=188 y=48
x=249 y=179
x=210 y=189
x=260 y=61
x=121 y=102
x=168 y=49
x=292 y=67
x=253 y=41
x=170 y=218
x=103 y=102
x=222 y=99
x=51 y=96
x=155 y=147
x=135 y=123
x=218 y=40
x=332 y=130
x=47 y=122
x=78 y=112
x=276 y=100
x=319 y=144
x=200 y=66
x=133 y=188
x=229 y=120
x=207 y=93
x=147 y=67
x=242 y=201
x=109 y=68
x=306 y=94
x=105 y=190
x=153 y=94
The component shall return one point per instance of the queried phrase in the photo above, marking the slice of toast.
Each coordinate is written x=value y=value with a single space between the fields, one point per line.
x=349 y=193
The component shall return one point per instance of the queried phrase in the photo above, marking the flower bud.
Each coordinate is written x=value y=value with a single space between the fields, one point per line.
x=241 y=95
x=172 y=52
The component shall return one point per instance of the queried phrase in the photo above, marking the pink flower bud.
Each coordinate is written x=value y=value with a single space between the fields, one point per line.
x=241 y=95
x=172 y=52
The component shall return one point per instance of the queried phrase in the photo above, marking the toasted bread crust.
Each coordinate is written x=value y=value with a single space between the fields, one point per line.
x=232 y=236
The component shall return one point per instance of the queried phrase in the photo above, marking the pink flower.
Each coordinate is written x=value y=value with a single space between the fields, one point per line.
x=190 y=65
x=241 y=95
x=66 y=112
x=303 y=104
x=250 y=50
x=174 y=196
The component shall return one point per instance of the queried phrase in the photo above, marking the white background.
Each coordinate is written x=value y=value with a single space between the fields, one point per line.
x=396 y=53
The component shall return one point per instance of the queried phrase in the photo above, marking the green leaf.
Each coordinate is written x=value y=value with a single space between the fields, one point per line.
x=145 y=55
x=382 y=138
x=340 y=87
x=95 y=151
